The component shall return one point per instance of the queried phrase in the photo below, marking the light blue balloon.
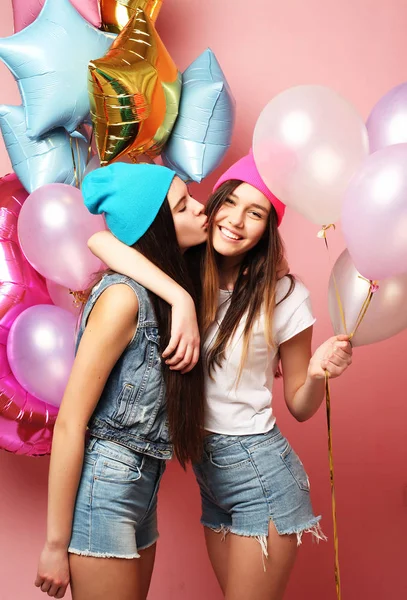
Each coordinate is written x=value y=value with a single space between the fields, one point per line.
x=49 y=60
x=203 y=131
x=48 y=160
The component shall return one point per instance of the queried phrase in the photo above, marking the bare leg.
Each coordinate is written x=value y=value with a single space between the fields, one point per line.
x=218 y=550
x=252 y=576
x=243 y=572
x=146 y=560
x=105 y=578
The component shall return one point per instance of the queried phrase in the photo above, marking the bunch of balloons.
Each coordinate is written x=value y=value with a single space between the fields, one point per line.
x=312 y=149
x=97 y=84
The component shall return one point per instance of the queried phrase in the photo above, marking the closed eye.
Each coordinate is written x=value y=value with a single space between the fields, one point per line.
x=230 y=201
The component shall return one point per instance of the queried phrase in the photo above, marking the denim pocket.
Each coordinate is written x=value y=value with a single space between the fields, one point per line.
x=124 y=403
x=108 y=469
x=231 y=457
x=296 y=468
x=117 y=465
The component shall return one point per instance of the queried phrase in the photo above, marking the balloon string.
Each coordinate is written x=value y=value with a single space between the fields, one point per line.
x=90 y=145
x=373 y=287
x=74 y=163
x=322 y=234
x=80 y=172
x=332 y=479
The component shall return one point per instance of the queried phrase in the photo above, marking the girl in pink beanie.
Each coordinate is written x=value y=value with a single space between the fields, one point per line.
x=254 y=489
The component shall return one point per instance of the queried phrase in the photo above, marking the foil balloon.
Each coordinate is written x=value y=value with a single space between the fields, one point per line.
x=54 y=158
x=26 y=424
x=26 y=11
x=386 y=314
x=53 y=228
x=203 y=131
x=387 y=123
x=49 y=60
x=20 y=285
x=117 y=13
x=94 y=162
x=134 y=93
x=41 y=351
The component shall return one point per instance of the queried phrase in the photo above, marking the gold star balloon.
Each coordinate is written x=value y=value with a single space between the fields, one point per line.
x=134 y=93
x=117 y=13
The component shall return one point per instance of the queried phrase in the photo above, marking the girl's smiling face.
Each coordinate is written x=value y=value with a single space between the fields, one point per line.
x=241 y=221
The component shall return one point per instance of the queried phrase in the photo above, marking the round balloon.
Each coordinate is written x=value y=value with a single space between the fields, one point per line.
x=54 y=227
x=41 y=349
x=374 y=216
x=386 y=315
x=307 y=144
x=387 y=123
x=63 y=298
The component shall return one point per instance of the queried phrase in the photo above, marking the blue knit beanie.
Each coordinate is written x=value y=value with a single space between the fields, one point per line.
x=129 y=196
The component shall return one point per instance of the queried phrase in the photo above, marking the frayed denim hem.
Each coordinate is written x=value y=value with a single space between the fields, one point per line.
x=102 y=554
x=313 y=527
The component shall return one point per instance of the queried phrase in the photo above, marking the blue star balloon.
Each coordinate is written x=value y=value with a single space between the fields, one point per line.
x=49 y=60
x=203 y=131
x=47 y=160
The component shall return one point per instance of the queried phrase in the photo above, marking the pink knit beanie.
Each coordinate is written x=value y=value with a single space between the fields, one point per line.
x=246 y=170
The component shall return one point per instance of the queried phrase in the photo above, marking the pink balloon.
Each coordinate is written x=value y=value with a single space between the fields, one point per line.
x=374 y=216
x=63 y=298
x=41 y=349
x=386 y=315
x=26 y=11
x=20 y=285
x=26 y=424
x=307 y=144
x=54 y=227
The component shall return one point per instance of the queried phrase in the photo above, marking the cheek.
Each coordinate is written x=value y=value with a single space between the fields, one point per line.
x=255 y=231
x=220 y=215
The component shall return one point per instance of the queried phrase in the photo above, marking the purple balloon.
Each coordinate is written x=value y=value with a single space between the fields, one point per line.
x=54 y=227
x=40 y=350
x=374 y=214
x=387 y=123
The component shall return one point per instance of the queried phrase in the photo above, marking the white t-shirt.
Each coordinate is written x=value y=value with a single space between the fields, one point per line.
x=245 y=408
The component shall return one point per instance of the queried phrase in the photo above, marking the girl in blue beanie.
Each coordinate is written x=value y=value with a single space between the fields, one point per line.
x=124 y=413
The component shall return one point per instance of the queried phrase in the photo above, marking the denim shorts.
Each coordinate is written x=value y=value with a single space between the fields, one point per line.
x=116 y=506
x=246 y=481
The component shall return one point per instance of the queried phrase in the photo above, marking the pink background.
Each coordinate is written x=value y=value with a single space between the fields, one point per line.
x=359 y=48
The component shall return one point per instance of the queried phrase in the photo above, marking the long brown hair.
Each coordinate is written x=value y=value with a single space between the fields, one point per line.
x=184 y=393
x=255 y=286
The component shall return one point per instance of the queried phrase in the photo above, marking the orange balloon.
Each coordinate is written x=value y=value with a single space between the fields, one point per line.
x=117 y=13
x=134 y=93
